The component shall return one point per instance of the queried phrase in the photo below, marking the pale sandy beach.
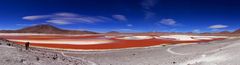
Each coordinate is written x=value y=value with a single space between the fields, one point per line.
x=214 y=53
x=221 y=52
x=119 y=32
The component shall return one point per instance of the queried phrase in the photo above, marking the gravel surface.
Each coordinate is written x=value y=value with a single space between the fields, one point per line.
x=224 y=52
x=11 y=54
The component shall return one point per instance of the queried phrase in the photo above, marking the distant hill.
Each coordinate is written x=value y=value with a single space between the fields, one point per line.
x=237 y=31
x=224 y=32
x=47 y=29
x=113 y=32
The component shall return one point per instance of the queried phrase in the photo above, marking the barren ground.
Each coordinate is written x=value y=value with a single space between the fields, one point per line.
x=224 y=52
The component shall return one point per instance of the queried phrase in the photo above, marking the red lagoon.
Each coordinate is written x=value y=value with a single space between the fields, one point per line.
x=116 y=44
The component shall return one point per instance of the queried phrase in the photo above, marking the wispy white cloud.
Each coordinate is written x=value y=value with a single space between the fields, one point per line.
x=67 y=18
x=66 y=14
x=149 y=14
x=218 y=26
x=147 y=6
x=60 y=22
x=26 y=24
x=170 y=22
x=196 y=31
x=120 y=17
x=36 y=17
x=129 y=25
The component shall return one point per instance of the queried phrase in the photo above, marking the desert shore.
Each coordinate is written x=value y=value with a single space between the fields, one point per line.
x=13 y=54
x=225 y=52
x=213 y=53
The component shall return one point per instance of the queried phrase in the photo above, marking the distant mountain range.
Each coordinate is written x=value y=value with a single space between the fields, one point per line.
x=48 y=29
x=227 y=32
x=113 y=32
x=237 y=31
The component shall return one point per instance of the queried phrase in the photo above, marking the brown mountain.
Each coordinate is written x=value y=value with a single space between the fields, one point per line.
x=48 y=29
x=237 y=31
x=113 y=32
x=224 y=32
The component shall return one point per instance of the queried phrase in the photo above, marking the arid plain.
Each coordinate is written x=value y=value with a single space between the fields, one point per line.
x=119 y=48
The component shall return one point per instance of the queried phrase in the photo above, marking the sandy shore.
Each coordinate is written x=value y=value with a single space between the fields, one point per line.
x=224 y=52
x=12 y=54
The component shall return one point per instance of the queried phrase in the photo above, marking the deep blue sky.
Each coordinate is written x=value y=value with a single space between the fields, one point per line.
x=123 y=15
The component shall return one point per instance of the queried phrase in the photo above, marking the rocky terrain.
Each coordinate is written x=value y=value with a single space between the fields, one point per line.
x=12 y=54
x=225 y=52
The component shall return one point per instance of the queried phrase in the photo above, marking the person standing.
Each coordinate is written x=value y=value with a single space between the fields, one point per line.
x=27 y=45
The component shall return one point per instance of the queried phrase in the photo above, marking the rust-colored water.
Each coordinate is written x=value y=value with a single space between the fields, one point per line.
x=113 y=45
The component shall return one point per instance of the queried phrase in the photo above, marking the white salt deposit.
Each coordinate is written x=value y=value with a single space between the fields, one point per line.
x=73 y=42
x=109 y=36
x=189 y=37
x=177 y=37
x=136 y=37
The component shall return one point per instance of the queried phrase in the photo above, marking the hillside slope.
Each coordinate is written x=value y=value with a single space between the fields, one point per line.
x=47 y=29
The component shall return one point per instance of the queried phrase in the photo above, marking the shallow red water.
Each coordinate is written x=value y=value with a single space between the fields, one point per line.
x=118 y=43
